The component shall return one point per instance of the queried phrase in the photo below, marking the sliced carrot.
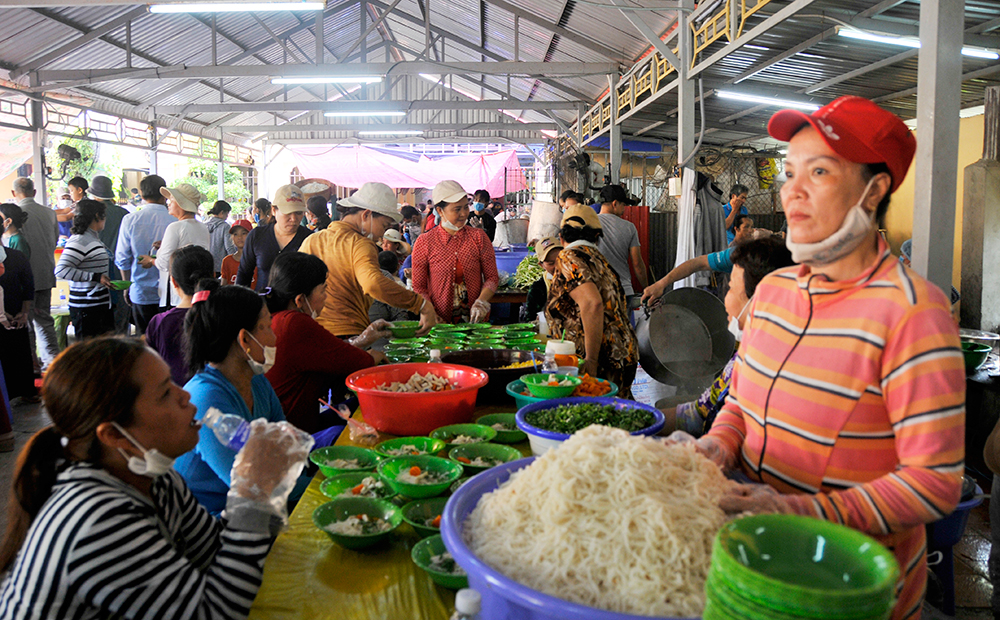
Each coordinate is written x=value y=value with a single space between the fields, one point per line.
x=357 y=490
x=436 y=522
x=414 y=471
x=462 y=459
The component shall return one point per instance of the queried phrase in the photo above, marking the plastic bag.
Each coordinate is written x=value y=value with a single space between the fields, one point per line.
x=267 y=468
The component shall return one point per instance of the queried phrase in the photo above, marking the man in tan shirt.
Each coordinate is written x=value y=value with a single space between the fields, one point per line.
x=354 y=278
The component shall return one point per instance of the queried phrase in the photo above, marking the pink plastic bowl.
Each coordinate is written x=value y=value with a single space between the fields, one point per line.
x=406 y=414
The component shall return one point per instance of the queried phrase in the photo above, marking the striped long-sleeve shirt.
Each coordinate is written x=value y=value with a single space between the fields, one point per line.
x=98 y=549
x=850 y=397
x=84 y=260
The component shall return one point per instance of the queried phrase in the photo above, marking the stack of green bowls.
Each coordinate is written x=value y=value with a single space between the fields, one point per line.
x=783 y=567
x=403 y=350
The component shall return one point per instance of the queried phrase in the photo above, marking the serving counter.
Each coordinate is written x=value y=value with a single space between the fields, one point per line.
x=309 y=577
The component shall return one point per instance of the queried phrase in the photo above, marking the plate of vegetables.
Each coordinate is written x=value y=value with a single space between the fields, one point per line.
x=551 y=422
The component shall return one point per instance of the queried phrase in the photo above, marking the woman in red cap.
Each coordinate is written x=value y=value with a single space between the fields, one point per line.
x=848 y=396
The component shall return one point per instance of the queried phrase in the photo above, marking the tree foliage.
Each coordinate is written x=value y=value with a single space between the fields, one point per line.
x=204 y=176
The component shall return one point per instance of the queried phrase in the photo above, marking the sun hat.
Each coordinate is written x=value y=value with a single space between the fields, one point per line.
x=546 y=245
x=185 y=195
x=101 y=189
x=376 y=197
x=244 y=224
x=393 y=235
x=289 y=199
x=857 y=130
x=578 y=216
x=448 y=191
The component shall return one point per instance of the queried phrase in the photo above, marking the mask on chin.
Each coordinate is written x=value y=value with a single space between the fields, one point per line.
x=451 y=227
x=153 y=462
x=855 y=228
x=269 y=354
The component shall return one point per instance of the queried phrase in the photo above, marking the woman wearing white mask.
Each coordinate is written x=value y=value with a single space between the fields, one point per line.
x=348 y=247
x=848 y=397
x=750 y=261
x=454 y=264
x=229 y=347
x=310 y=362
x=102 y=526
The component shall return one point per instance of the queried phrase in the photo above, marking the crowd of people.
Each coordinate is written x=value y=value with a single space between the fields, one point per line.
x=844 y=400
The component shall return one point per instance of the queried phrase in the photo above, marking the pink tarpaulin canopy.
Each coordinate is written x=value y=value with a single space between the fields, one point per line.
x=355 y=165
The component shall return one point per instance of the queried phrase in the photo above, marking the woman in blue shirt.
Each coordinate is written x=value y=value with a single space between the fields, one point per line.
x=230 y=345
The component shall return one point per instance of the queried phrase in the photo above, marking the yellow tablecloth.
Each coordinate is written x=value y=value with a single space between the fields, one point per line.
x=309 y=577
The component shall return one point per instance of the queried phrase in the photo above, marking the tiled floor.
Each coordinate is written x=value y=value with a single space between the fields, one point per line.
x=972 y=585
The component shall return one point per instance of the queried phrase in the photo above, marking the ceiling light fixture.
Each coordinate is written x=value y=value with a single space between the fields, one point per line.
x=783 y=103
x=851 y=33
x=345 y=79
x=365 y=113
x=235 y=7
x=392 y=132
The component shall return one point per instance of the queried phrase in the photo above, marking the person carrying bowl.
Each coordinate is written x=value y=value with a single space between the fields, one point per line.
x=102 y=526
x=587 y=303
x=847 y=401
x=454 y=264
x=310 y=361
x=348 y=247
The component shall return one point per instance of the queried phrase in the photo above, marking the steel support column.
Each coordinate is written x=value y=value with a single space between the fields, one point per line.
x=615 y=137
x=38 y=146
x=939 y=76
x=685 y=87
x=152 y=151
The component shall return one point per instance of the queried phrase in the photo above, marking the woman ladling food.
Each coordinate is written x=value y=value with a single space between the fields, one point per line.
x=848 y=397
x=103 y=526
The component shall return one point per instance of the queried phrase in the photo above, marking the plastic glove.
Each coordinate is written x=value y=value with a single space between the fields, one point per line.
x=709 y=447
x=479 y=312
x=428 y=318
x=753 y=498
x=267 y=467
x=378 y=329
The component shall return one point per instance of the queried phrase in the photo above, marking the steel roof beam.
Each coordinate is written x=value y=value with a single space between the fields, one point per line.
x=436 y=127
x=362 y=106
x=971 y=75
x=554 y=28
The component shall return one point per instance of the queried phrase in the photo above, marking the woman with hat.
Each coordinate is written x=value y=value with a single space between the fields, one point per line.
x=101 y=189
x=182 y=203
x=354 y=278
x=547 y=250
x=392 y=241
x=462 y=277
x=587 y=303
x=283 y=233
x=847 y=400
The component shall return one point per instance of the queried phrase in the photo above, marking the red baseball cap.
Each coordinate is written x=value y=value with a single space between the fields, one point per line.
x=241 y=224
x=857 y=130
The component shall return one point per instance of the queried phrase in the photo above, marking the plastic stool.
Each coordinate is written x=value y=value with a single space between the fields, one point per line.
x=944 y=534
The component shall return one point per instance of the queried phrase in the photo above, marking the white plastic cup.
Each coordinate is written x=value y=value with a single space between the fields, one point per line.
x=560 y=347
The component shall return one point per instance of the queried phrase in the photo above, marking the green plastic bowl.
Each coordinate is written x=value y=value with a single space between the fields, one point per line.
x=335 y=486
x=120 y=285
x=975 y=355
x=421 y=554
x=416 y=343
x=458 y=483
x=507 y=419
x=521 y=335
x=342 y=508
x=537 y=384
x=391 y=468
x=419 y=511
x=367 y=460
x=447 y=433
x=803 y=566
x=389 y=347
x=519 y=327
x=495 y=452
x=425 y=445
x=404 y=329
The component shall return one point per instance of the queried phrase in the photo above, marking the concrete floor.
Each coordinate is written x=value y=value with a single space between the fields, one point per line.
x=972 y=585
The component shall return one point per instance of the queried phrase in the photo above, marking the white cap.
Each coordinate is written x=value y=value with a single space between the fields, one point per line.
x=376 y=197
x=468 y=601
x=448 y=191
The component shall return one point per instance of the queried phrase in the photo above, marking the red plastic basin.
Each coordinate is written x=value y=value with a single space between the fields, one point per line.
x=406 y=414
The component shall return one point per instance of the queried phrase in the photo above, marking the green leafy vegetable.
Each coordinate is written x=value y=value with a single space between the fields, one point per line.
x=571 y=418
x=528 y=271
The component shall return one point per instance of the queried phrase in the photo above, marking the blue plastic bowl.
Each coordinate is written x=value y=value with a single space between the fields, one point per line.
x=946 y=533
x=542 y=440
x=503 y=597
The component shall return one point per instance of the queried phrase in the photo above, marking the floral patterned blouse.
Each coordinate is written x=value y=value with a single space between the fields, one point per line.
x=578 y=264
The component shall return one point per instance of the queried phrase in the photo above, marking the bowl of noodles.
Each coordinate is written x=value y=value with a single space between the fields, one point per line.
x=552 y=542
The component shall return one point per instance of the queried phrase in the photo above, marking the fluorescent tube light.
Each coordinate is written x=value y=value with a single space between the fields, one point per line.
x=392 y=132
x=366 y=113
x=851 y=33
x=783 y=103
x=235 y=7
x=344 y=79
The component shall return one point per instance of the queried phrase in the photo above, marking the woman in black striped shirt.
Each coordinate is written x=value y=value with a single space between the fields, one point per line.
x=102 y=526
x=84 y=262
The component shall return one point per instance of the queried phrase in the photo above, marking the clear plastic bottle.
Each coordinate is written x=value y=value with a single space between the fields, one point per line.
x=231 y=430
x=468 y=604
x=549 y=365
x=435 y=356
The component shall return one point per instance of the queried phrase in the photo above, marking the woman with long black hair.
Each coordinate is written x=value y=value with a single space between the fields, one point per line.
x=84 y=262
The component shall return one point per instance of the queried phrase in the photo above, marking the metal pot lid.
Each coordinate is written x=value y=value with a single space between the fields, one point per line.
x=975 y=334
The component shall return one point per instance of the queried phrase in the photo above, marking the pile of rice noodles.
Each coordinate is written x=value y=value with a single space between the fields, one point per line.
x=610 y=520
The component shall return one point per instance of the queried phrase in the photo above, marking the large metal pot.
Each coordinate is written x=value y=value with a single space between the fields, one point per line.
x=685 y=341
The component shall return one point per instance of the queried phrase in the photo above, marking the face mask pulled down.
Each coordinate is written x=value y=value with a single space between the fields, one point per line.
x=855 y=228
x=452 y=227
x=269 y=355
x=153 y=462
x=734 y=323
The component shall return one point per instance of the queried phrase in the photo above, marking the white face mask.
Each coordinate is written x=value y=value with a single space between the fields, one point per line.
x=153 y=462
x=312 y=312
x=855 y=228
x=734 y=323
x=269 y=355
x=65 y=203
x=449 y=226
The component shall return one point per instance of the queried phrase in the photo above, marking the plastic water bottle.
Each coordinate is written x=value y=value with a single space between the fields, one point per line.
x=435 y=357
x=231 y=430
x=549 y=365
x=468 y=604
